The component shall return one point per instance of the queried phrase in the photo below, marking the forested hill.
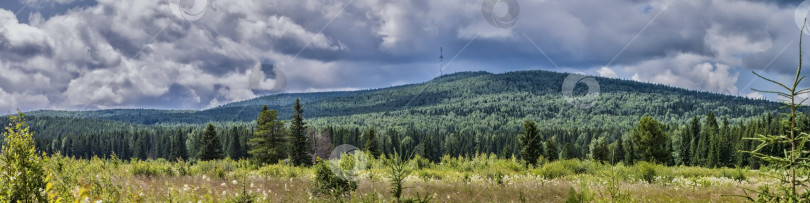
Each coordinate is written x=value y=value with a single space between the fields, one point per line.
x=477 y=101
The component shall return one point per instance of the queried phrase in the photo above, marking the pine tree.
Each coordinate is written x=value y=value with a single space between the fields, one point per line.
x=599 y=150
x=618 y=155
x=210 y=148
x=179 y=150
x=724 y=144
x=140 y=148
x=710 y=135
x=372 y=145
x=551 y=150
x=692 y=136
x=299 y=152
x=267 y=144
x=235 y=148
x=650 y=141
x=530 y=143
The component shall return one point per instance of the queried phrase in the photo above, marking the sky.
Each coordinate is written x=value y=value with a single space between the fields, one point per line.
x=198 y=54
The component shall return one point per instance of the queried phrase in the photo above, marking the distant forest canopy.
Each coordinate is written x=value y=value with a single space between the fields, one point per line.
x=461 y=114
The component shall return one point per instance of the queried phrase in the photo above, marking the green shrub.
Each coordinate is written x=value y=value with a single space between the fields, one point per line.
x=553 y=170
x=326 y=182
x=22 y=176
x=647 y=171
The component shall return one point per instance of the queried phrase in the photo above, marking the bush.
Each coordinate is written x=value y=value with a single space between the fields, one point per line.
x=326 y=182
x=553 y=170
x=561 y=168
x=22 y=178
x=647 y=171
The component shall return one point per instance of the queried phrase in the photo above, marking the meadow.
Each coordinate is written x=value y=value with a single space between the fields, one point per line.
x=482 y=178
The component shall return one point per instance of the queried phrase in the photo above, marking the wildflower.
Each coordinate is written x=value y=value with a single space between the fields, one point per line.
x=223 y=185
x=234 y=182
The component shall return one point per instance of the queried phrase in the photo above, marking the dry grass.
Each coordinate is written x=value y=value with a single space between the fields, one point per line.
x=225 y=180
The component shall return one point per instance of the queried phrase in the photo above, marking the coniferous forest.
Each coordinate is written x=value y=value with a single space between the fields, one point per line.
x=499 y=131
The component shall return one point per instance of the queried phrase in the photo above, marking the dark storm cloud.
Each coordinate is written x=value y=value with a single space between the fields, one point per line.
x=106 y=53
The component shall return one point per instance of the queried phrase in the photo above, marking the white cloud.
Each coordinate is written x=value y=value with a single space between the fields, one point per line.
x=607 y=72
x=687 y=71
x=755 y=95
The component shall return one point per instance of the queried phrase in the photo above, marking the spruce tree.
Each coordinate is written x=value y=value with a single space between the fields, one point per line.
x=650 y=140
x=599 y=150
x=372 y=146
x=530 y=143
x=711 y=142
x=235 y=148
x=211 y=147
x=267 y=144
x=299 y=152
x=551 y=150
x=179 y=150
x=691 y=140
x=618 y=155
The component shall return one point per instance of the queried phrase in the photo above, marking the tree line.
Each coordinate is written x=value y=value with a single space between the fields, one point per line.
x=706 y=141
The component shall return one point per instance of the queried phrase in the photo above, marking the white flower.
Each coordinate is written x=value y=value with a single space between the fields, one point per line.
x=223 y=185
x=234 y=182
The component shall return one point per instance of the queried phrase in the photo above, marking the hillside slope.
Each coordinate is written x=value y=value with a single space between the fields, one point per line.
x=477 y=101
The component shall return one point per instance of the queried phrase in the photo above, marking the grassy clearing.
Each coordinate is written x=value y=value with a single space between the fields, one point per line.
x=479 y=179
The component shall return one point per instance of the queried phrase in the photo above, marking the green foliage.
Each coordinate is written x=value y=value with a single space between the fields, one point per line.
x=599 y=150
x=581 y=196
x=299 y=146
x=398 y=170
x=267 y=145
x=792 y=159
x=530 y=143
x=551 y=152
x=22 y=176
x=647 y=171
x=179 y=148
x=567 y=152
x=650 y=140
x=326 y=182
x=210 y=146
x=372 y=145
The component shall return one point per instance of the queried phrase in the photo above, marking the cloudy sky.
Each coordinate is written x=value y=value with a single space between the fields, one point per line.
x=196 y=54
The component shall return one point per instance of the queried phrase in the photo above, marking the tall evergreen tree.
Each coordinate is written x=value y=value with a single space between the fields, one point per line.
x=299 y=148
x=650 y=141
x=724 y=144
x=140 y=148
x=179 y=150
x=691 y=140
x=211 y=147
x=711 y=142
x=599 y=150
x=267 y=144
x=551 y=152
x=618 y=154
x=530 y=143
x=235 y=148
x=372 y=145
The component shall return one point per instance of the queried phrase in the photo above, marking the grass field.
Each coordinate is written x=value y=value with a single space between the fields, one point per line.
x=478 y=179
